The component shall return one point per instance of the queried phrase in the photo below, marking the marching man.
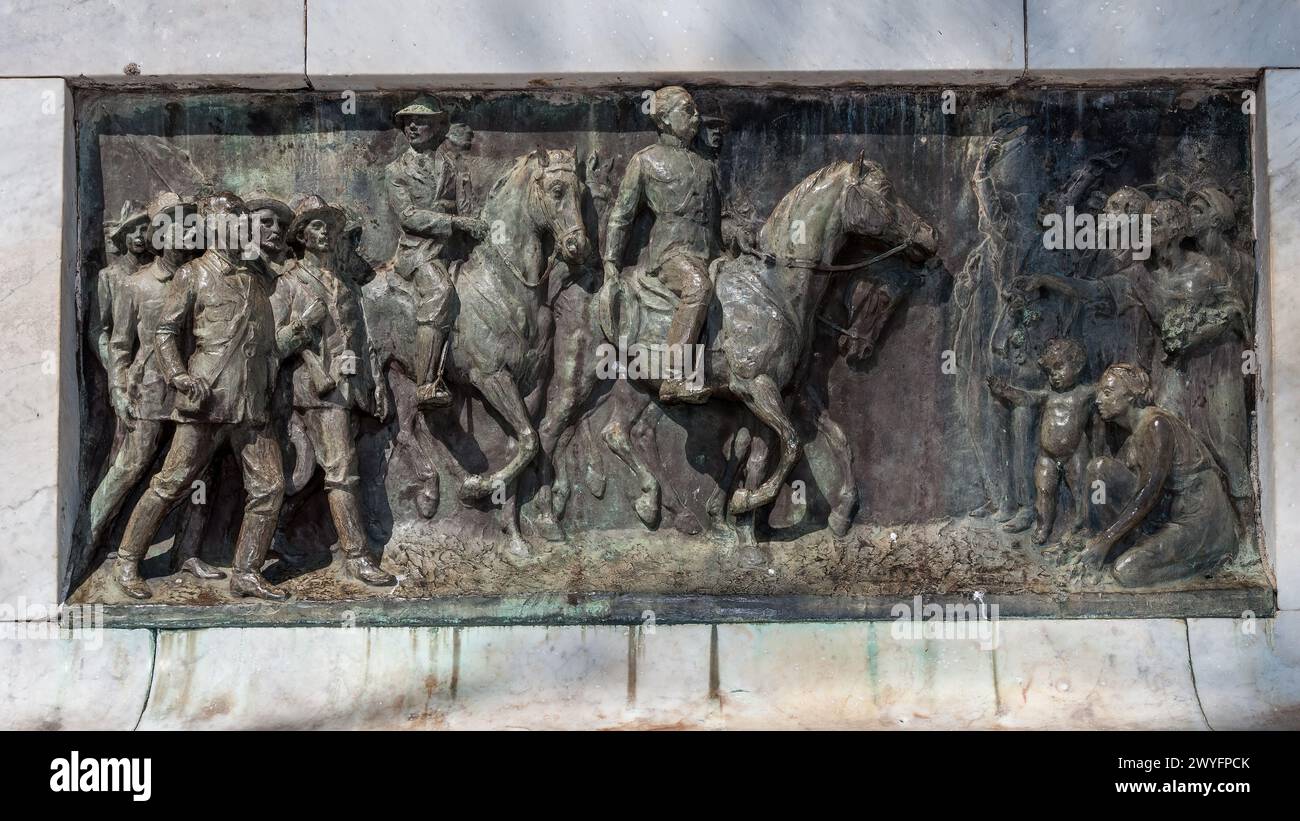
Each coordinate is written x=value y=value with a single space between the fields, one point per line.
x=331 y=377
x=222 y=302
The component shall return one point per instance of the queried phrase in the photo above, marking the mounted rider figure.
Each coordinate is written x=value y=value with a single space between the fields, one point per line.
x=679 y=186
x=423 y=188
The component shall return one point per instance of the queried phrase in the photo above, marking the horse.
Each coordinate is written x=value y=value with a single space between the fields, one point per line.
x=498 y=345
x=758 y=334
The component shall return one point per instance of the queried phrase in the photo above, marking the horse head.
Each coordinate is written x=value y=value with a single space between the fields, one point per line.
x=555 y=202
x=841 y=203
x=873 y=211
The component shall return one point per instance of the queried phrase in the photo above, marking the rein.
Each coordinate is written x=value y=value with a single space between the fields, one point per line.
x=815 y=265
x=555 y=249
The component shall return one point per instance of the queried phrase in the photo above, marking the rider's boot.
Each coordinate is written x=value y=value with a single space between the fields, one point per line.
x=431 y=392
x=677 y=386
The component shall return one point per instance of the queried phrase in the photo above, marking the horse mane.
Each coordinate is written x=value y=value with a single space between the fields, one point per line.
x=778 y=224
x=509 y=174
x=555 y=156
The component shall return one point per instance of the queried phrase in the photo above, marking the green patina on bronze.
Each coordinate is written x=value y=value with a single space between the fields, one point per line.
x=894 y=387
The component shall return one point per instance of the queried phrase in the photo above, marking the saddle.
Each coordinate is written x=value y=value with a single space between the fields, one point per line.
x=639 y=308
x=636 y=306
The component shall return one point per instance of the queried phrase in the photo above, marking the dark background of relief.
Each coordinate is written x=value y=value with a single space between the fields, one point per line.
x=912 y=459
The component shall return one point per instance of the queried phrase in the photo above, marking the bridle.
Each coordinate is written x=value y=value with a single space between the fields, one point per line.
x=817 y=266
x=826 y=268
x=552 y=219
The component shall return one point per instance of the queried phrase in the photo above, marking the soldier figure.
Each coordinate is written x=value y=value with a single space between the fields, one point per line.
x=680 y=187
x=739 y=220
x=713 y=130
x=332 y=377
x=130 y=239
x=423 y=190
x=272 y=216
x=223 y=303
x=140 y=391
x=460 y=139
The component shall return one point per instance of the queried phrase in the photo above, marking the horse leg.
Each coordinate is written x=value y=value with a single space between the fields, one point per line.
x=410 y=428
x=594 y=475
x=736 y=450
x=516 y=546
x=751 y=554
x=584 y=381
x=844 y=496
x=576 y=378
x=762 y=396
x=500 y=392
x=645 y=434
x=626 y=411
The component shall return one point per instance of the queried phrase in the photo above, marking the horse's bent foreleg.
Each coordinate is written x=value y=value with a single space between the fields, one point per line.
x=762 y=396
x=626 y=411
x=844 y=496
x=499 y=391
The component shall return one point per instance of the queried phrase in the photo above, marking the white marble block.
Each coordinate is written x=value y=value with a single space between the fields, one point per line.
x=1280 y=436
x=38 y=392
x=97 y=680
x=850 y=675
x=250 y=43
x=1096 y=674
x=576 y=42
x=1248 y=671
x=1114 y=38
x=610 y=677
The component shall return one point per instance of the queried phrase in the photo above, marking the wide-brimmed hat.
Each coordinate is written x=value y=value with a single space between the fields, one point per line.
x=163 y=207
x=1216 y=198
x=423 y=106
x=259 y=199
x=222 y=202
x=166 y=202
x=353 y=224
x=132 y=212
x=711 y=114
x=308 y=207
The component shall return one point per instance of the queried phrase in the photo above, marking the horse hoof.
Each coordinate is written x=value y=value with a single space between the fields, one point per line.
x=686 y=523
x=594 y=479
x=647 y=509
x=752 y=556
x=516 y=552
x=795 y=514
x=839 y=523
x=559 y=498
x=548 y=528
x=475 y=487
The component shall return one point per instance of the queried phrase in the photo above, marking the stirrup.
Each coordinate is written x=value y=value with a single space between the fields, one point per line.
x=433 y=394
